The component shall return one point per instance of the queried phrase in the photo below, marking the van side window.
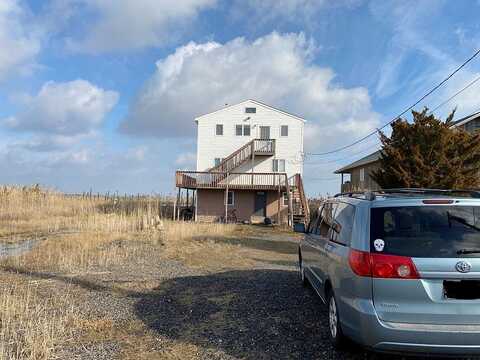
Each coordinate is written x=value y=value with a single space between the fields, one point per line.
x=343 y=224
x=314 y=223
x=327 y=215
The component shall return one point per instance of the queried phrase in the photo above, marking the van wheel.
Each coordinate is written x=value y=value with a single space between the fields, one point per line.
x=301 y=269
x=335 y=330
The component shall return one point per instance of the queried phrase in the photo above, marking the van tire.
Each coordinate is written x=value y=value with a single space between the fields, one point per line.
x=334 y=327
x=301 y=270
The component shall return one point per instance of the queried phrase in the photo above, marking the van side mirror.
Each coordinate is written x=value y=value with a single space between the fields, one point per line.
x=299 y=227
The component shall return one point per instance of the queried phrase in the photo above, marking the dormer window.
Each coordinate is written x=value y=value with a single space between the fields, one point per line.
x=250 y=110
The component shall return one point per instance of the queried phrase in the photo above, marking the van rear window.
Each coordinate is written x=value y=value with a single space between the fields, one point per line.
x=426 y=231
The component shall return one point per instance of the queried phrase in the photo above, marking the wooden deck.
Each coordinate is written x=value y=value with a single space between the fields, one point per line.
x=222 y=180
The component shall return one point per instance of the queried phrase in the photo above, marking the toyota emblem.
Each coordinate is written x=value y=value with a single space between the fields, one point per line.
x=463 y=267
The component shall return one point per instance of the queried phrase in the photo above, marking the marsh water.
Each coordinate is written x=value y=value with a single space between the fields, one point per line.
x=18 y=248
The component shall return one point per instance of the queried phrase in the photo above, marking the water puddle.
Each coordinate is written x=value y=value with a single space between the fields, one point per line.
x=17 y=249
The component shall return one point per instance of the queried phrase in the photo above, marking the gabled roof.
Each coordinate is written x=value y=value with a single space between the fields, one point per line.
x=256 y=103
x=466 y=119
x=376 y=155
x=363 y=161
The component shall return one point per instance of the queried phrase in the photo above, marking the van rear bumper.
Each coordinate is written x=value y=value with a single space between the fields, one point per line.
x=383 y=336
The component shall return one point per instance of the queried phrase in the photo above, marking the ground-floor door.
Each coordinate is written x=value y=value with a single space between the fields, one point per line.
x=260 y=204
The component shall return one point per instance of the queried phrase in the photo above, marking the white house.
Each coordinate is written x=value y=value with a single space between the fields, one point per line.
x=249 y=165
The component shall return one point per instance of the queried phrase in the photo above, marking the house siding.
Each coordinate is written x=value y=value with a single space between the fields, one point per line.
x=211 y=206
x=357 y=185
x=211 y=146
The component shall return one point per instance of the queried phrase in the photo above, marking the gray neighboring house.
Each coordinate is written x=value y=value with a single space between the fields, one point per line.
x=361 y=170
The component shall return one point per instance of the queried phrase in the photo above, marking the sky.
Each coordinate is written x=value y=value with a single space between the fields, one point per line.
x=101 y=94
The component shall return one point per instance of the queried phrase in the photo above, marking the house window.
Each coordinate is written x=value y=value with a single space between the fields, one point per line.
x=284 y=130
x=278 y=165
x=239 y=130
x=362 y=174
x=230 y=198
x=219 y=130
x=218 y=161
x=285 y=199
x=251 y=110
x=242 y=130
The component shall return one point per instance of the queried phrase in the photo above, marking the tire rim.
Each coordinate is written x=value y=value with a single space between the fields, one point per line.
x=332 y=317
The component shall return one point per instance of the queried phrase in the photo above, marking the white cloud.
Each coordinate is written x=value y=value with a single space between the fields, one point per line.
x=186 y=159
x=19 y=43
x=70 y=108
x=134 y=24
x=293 y=11
x=276 y=69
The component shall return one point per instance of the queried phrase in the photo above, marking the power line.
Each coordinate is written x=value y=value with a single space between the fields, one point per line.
x=456 y=94
x=404 y=111
x=322 y=179
x=346 y=157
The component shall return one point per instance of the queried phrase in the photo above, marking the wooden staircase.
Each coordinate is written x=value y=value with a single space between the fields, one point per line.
x=300 y=209
x=256 y=147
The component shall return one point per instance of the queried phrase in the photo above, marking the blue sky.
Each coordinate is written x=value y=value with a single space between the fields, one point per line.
x=101 y=94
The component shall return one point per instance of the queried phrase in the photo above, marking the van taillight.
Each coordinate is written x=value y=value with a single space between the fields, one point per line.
x=360 y=262
x=382 y=266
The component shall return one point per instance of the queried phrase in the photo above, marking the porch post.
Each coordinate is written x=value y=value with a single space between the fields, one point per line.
x=175 y=207
x=290 y=207
x=226 y=200
x=196 y=204
x=179 y=203
x=278 y=205
x=253 y=158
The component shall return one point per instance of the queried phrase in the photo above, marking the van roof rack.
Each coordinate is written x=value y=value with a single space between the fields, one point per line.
x=371 y=195
x=362 y=195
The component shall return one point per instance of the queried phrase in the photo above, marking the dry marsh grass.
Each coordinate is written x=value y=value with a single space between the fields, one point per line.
x=32 y=324
x=35 y=210
x=84 y=237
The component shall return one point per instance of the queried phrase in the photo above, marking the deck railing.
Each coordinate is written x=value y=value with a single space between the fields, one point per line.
x=216 y=180
x=264 y=146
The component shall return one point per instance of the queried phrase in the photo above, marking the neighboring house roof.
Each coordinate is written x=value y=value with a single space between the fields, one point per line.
x=466 y=119
x=256 y=103
x=363 y=161
x=376 y=155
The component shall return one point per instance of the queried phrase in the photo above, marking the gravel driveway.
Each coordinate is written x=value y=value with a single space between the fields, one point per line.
x=154 y=307
x=258 y=313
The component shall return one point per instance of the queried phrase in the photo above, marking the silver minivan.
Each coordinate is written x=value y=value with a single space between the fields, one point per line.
x=398 y=269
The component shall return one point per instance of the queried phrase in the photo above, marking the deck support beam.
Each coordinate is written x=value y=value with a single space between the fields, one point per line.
x=226 y=201
x=278 y=205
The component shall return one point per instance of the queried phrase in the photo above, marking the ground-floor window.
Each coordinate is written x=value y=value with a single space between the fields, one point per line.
x=285 y=199
x=230 y=198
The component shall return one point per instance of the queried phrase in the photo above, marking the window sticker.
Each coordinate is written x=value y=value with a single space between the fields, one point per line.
x=379 y=244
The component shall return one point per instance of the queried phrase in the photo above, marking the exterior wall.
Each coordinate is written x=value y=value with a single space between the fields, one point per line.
x=211 y=208
x=211 y=146
x=357 y=185
x=471 y=126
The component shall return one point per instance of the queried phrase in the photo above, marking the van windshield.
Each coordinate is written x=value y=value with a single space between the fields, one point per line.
x=426 y=231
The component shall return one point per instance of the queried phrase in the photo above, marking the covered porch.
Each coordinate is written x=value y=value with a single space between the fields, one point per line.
x=237 y=197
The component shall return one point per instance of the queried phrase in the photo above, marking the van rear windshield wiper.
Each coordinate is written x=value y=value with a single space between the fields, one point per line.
x=461 y=221
x=468 y=251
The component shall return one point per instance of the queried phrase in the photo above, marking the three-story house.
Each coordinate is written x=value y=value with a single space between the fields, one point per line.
x=249 y=165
